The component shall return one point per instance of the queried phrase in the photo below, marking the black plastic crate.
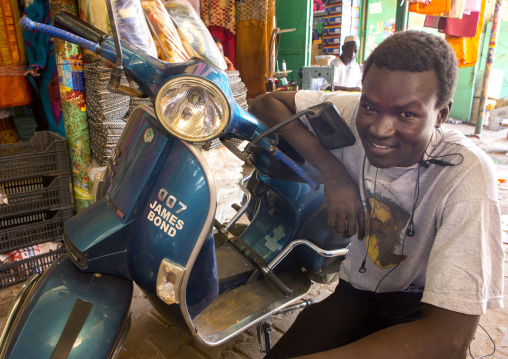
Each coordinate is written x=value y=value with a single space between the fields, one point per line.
x=19 y=271
x=44 y=155
x=53 y=193
x=47 y=227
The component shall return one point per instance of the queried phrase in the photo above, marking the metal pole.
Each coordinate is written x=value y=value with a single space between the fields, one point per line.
x=494 y=34
x=72 y=94
x=401 y=15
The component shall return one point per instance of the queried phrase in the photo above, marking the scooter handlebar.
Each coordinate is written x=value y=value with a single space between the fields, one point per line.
x=29 y=25
x=73 y=24
x=295 y=167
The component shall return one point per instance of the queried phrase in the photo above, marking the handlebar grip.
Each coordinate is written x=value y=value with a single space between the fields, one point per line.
x=29 y=25
x=296 y=168
x=278 y=283
x=73 y=24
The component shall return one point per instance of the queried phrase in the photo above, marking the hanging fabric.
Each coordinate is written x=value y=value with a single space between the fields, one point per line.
x=14 y=87
x=40 y=53
x=435 y=7
x=466 y=48
x=254 y=28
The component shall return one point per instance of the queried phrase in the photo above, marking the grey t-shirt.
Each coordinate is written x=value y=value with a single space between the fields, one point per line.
x=455 y=256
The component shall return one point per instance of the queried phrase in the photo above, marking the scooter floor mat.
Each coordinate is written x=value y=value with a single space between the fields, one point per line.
x=237 y=309
x=231 y=264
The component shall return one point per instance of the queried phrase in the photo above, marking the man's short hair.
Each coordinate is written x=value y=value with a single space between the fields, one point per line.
x=418 y=51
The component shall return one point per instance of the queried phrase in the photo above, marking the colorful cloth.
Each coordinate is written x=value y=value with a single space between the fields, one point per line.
x=41 y=55
x=465 y=27
x=14 y=88
x=435 y=7
x=466 y=48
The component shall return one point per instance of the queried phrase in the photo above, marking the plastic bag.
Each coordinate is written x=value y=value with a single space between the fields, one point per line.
x=168 y=42
x=132 y=25
x=190 y=24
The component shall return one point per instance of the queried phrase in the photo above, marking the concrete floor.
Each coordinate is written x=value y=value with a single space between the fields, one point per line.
x=151 y=336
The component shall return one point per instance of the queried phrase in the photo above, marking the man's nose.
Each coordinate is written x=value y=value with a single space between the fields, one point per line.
x=382 y=127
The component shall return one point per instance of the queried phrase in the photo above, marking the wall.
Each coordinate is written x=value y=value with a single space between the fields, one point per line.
x=380 y=23
x=465 y=87
x=294 y=47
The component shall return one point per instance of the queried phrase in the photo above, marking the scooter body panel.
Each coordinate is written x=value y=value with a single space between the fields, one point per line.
x=170 y=224
x=40 y=324
x=281 y=212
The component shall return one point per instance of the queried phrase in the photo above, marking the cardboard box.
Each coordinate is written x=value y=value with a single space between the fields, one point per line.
x=500 y=112
x=502 y=102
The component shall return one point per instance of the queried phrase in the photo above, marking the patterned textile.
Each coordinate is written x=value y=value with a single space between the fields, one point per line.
x=14 y=88
x=219 y=13
x=255 y=22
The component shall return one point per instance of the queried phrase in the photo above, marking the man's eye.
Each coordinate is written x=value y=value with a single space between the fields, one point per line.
x=369 y=108
x=407 y=114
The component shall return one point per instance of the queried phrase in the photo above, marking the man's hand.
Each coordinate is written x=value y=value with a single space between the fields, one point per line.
x=345 y=209
x=229 y=64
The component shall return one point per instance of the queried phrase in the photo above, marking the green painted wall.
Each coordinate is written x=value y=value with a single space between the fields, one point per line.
x=463 y=99
x=380 y=22
x=294 y=47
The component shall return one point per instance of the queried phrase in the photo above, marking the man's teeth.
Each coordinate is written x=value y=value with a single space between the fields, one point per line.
x=379 y=146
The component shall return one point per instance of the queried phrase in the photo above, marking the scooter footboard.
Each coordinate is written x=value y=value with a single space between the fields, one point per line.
x=68 y=313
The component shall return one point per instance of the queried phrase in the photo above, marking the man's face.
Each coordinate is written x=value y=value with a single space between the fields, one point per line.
x=349 y=52
x=397 y=115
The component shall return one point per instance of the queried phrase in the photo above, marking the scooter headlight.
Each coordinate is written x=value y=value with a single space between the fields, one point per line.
x=192 y=109
x=168 y=282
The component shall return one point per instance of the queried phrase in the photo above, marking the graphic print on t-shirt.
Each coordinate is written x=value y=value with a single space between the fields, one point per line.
x=388 y=220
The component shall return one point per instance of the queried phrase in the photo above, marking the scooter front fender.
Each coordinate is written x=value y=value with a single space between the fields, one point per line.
x=68 y=313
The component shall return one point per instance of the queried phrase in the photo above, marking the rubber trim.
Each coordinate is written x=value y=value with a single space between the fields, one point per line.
x=74 y=324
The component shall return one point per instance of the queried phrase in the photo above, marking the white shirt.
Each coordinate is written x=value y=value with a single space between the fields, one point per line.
x=348 y=75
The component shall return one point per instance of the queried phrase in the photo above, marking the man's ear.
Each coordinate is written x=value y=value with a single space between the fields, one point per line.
x=444 y=113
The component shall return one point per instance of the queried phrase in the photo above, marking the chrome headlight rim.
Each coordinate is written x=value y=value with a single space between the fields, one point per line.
x=198 y=81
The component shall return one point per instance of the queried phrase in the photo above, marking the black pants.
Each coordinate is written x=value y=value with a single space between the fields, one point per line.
x=345 y=316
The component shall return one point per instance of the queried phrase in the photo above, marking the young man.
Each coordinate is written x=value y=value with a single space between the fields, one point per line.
x=348 y=76
x=427 y=258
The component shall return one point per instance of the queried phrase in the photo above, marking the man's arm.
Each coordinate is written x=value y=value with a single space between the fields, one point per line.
x=345 y=209
x=344 y=88
x=439 y=334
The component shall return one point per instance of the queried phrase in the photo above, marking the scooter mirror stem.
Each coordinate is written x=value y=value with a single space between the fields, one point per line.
x=116 y=75
x=116 y=35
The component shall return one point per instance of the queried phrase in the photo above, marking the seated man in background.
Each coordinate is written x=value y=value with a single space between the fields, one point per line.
x=348 y=76
x=427 y=259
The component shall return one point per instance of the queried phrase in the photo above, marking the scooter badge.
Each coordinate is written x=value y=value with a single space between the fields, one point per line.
x=149 y=135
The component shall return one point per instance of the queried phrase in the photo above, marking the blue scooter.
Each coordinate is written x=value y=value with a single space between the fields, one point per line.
x=155 y=222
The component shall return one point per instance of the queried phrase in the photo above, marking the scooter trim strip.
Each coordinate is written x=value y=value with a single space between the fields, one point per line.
x=74 y=324
x=207 y=227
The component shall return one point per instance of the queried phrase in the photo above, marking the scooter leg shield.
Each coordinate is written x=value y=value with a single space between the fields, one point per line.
x=70 y=314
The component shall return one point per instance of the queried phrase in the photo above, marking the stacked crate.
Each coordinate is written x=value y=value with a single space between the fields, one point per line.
x=35 y=200
x=342 y=19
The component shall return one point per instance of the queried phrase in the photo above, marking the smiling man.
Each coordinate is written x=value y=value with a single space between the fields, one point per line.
x=426 y=259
